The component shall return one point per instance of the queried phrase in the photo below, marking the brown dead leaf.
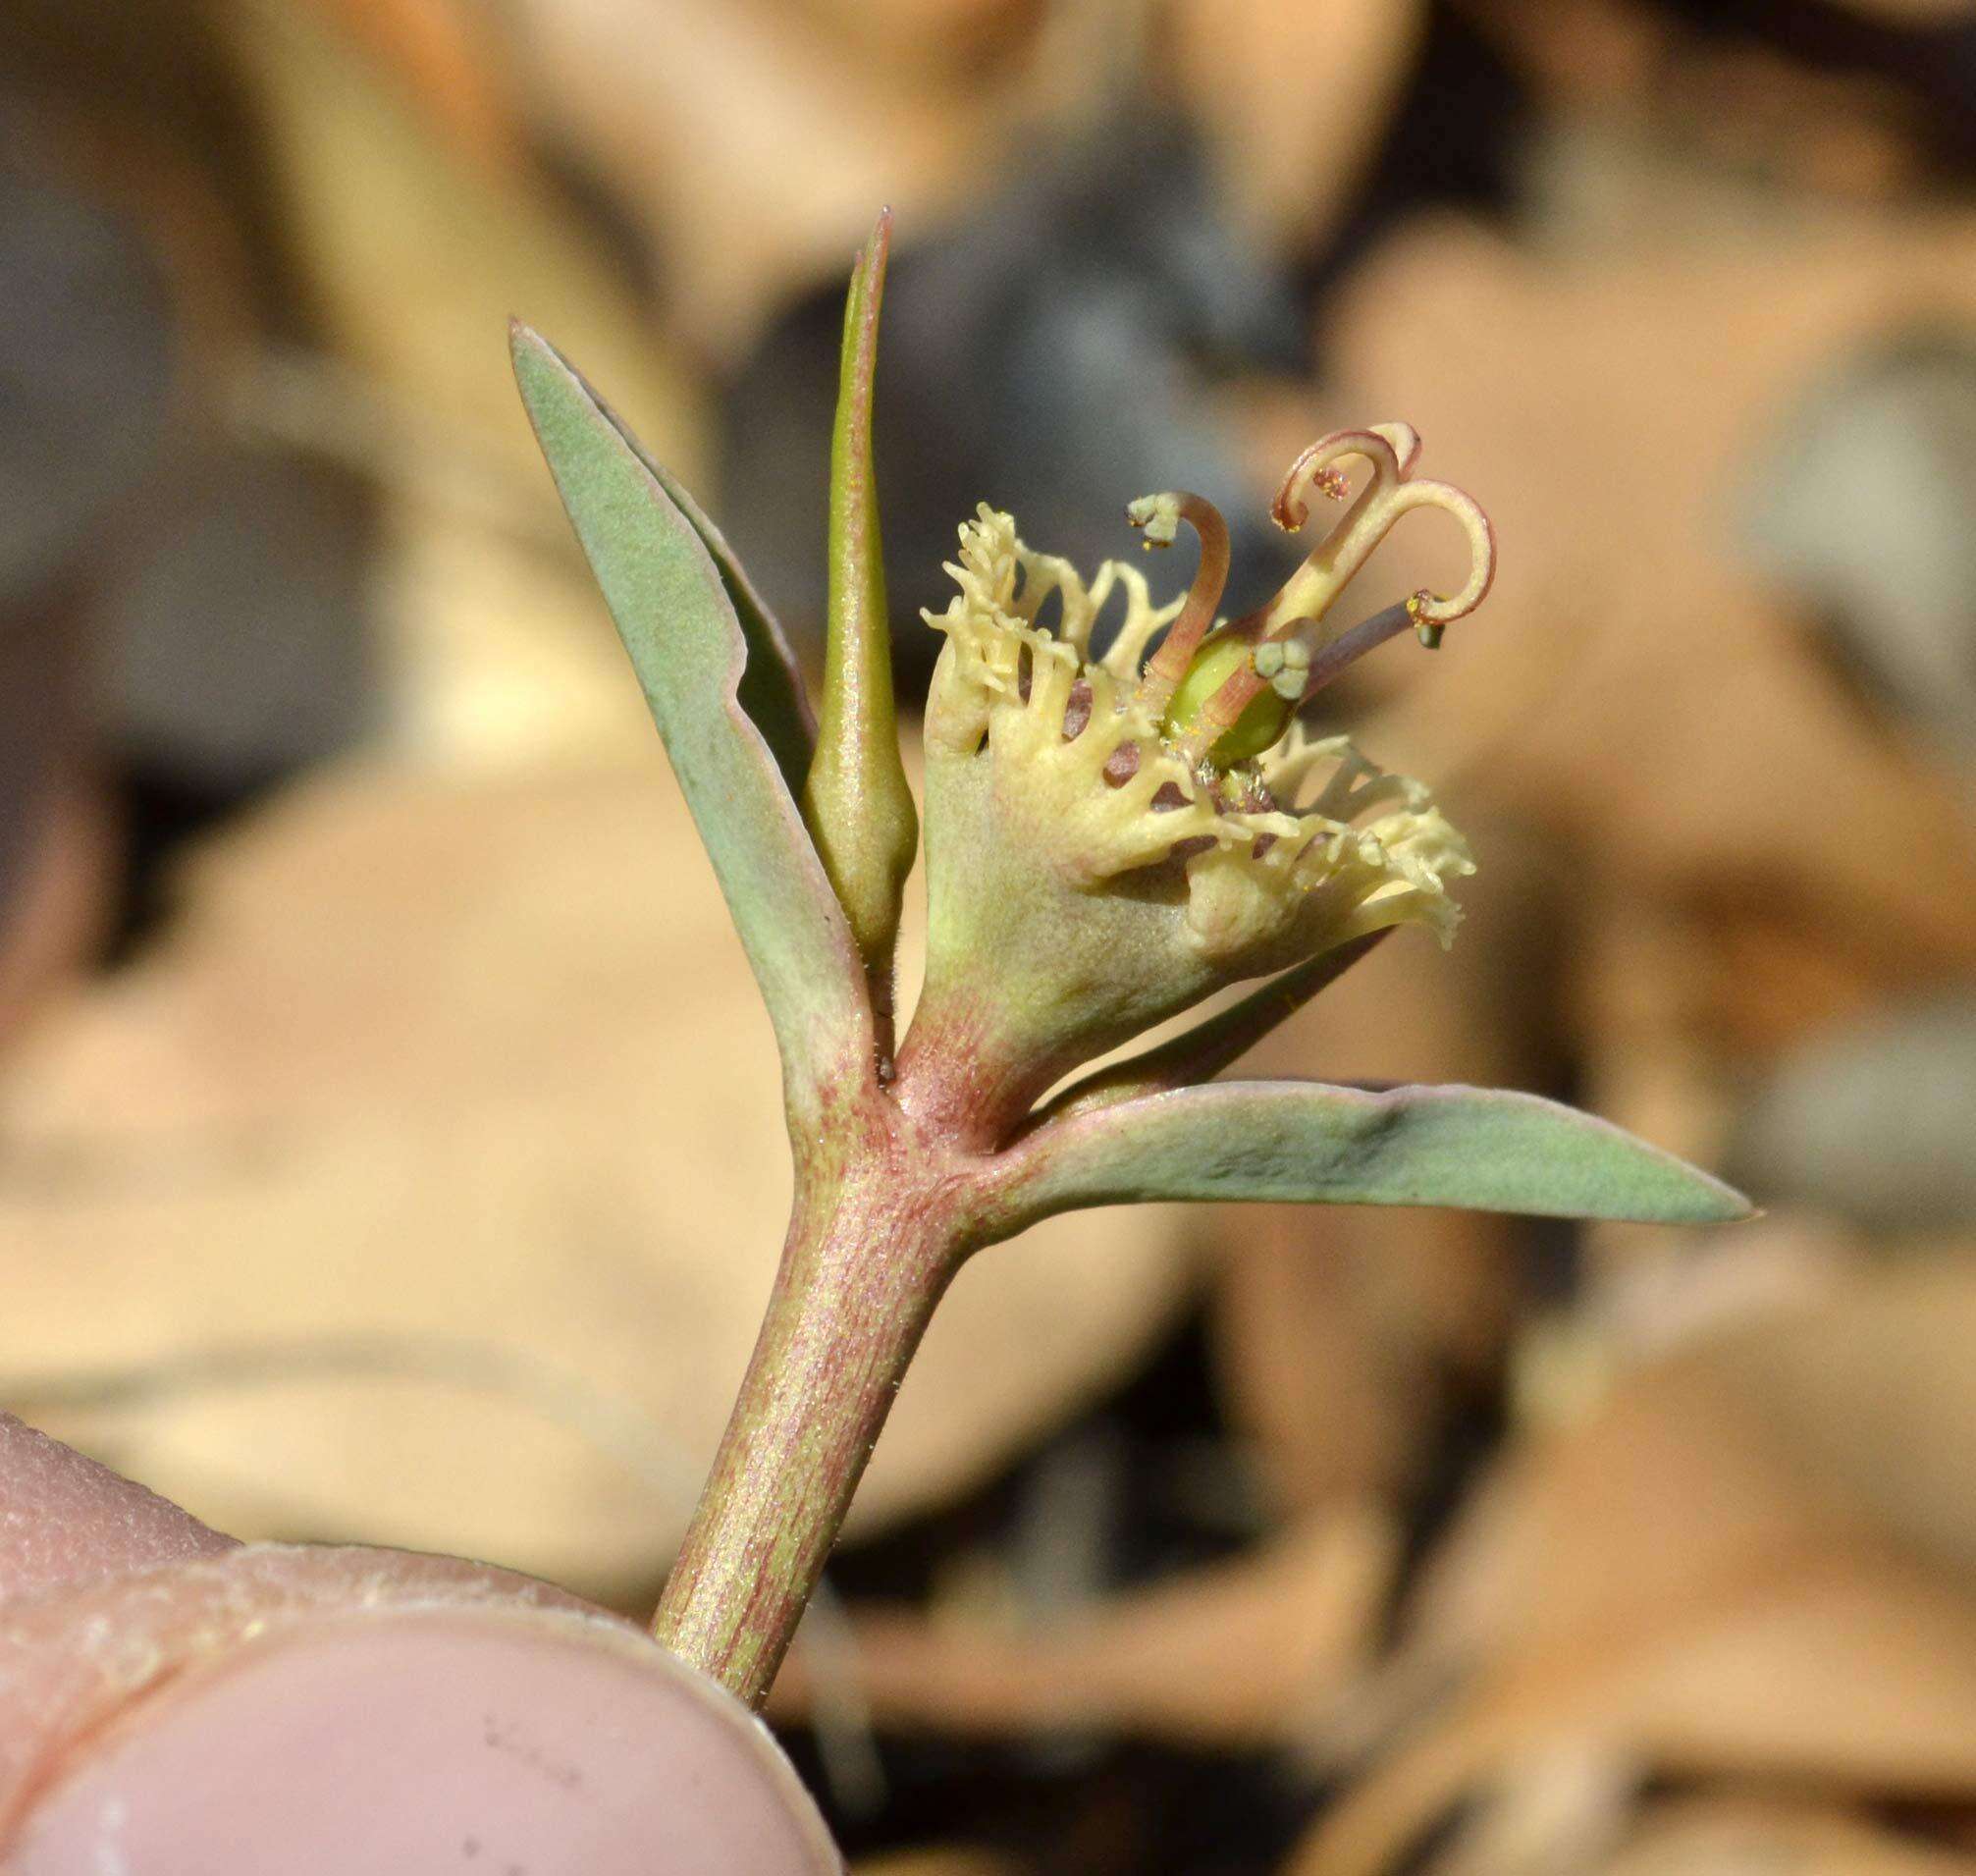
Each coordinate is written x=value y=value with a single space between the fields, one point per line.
x=1625 y=674
x=753 y=146
x=1751 y=1838
x=1212 y=1659
x=441 y=54
x=1581 y=1812
x=1294 y=97
x=1754 y=1562
x=417 y=251
x=1645 y=76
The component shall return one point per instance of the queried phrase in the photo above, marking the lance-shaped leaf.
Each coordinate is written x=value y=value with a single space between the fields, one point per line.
x=771 y=690
x=1201 y=1053
x=672 y=610
x=857 y=800
x=1483 y=1148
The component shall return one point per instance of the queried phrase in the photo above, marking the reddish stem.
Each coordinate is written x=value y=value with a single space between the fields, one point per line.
x=866 y=1258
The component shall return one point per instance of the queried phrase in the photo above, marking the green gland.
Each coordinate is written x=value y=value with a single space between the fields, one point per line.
x=1260 y=725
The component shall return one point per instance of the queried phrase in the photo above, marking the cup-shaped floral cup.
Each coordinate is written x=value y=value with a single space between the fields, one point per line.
x=1085 y=879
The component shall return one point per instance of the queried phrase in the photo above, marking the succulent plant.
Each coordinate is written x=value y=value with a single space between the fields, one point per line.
x=1111 y=837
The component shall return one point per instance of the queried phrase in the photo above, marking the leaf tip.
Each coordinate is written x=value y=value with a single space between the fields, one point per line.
x=531 y=357
x=1737 y=1207
x=522 y=337
x=1696 y=1197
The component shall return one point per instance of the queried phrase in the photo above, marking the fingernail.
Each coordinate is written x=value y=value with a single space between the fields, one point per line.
x=466 y=1742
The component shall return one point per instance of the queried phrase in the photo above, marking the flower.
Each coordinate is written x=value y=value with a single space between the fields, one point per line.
x=1112 y=837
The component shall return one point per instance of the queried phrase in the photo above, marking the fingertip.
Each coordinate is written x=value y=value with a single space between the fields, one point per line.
x=514 y=1742
x=66 y=1522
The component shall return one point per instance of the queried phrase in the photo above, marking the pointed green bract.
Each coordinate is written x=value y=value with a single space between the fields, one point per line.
x=1485 y=1149
x=673 y=610
x=856 y=799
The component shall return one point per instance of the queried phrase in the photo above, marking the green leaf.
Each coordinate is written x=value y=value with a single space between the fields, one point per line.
x=856 y=799
x=772 y=681
x=673 y=613
x=1201 y=1053
x=1488 y=1149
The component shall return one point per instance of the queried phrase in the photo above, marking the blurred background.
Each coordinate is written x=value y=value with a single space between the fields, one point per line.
x=388 y=1130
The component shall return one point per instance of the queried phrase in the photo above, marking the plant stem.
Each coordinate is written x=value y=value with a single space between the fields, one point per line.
x=867 y=1254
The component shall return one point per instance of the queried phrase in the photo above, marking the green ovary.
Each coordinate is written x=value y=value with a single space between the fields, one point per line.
x=1259 y=726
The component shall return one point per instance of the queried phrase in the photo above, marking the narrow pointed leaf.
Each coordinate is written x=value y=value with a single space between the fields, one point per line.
x=1482 y=1149
x=1201 y=1053
x=673 y=613
x=771 y=690
x=856 y=799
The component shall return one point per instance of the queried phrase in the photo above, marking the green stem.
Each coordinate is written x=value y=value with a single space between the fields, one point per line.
x=866 y=1258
